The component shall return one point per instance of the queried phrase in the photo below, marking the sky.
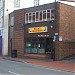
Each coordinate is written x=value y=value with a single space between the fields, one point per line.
x=30 y=3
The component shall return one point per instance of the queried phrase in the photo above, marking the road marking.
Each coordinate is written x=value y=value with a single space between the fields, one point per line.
x=13 y=73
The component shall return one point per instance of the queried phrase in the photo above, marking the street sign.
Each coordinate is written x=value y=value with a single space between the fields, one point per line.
x=54 y=38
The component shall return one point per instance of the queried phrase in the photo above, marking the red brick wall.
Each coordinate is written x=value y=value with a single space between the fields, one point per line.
x=66 y=30
x=65 y=26
x=19 y=32
x=66 y=22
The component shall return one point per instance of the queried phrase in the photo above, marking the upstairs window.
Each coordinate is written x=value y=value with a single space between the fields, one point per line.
x=52 y=14
x=39 y=16
x=30 y=17
x=33 y=17
x=44 y=14
x=48 y=14
x=26 y=18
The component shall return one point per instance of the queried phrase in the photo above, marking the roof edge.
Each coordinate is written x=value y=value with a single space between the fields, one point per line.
x=68 y=3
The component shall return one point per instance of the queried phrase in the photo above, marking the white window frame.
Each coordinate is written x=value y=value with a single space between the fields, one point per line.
x=33 y=13
x=38 y=16
x=25 y=18
x=43 y=14
x=39 y=12
x=30 y=21
x=51 y=13
x=48 y=13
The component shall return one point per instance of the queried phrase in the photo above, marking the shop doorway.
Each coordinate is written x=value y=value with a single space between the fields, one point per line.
x=0 y=45
x=50 y=48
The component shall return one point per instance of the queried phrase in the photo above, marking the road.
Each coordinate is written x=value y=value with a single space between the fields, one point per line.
x=8 y=67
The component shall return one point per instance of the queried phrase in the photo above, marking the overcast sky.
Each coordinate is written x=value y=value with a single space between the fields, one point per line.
x=30 y=3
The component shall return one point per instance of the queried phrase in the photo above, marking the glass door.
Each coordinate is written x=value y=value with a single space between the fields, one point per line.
x=41 y=48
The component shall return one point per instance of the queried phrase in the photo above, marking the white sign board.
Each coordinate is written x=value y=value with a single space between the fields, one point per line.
x=60 y=38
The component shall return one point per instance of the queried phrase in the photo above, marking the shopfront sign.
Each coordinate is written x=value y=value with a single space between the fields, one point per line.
x=37 y=29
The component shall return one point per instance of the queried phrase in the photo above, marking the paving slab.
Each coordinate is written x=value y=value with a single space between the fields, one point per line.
x=59 y=65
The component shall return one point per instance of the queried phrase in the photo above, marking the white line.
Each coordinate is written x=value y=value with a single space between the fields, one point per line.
x=13 y=73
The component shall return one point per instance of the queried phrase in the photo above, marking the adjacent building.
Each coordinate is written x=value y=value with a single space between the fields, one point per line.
x=45 y=31
x=6 y=6
x=1 y=23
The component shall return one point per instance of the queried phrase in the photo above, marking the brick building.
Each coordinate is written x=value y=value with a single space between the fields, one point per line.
x=43 y=31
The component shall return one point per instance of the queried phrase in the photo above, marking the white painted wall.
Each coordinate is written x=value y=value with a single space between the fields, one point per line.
x=7 y=9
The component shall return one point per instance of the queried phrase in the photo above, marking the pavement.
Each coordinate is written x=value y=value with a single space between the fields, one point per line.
x=57 y=65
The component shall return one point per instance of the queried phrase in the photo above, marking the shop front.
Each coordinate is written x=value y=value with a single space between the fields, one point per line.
x=43 y=46
x=40 y=43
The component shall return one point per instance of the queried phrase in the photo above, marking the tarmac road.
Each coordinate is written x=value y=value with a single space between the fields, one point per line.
x=8 y=67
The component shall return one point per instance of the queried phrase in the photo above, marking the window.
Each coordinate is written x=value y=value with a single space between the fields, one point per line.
x=48 y=14
x=44 y=15
x=30 y=17
x=41 y=49
x=34 y=39
x=33 y=17
x=16 y=3
x=34 y=48
x=28 y=39
x=26 y=19
x=52 y=14
x=38 y=16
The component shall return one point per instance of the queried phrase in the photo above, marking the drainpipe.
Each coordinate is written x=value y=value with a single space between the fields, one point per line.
x=54 y=28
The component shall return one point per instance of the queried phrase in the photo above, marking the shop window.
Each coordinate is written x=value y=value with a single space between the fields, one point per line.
x=34 y=45
x=41 y=48
x=34 y=48
x=28 y=44
x=41 y=39
x=34 y=39
x=28 y=39
x=27 y=50
x=28 y=47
